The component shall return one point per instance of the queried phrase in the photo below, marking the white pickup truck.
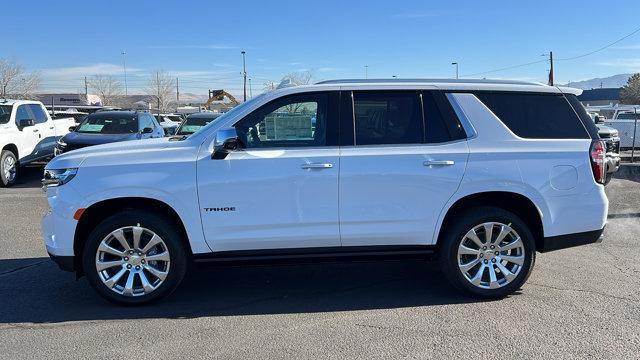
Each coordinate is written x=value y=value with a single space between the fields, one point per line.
x=27 y=134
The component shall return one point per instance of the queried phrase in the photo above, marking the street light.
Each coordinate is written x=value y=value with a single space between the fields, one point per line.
x=124 y=67
x=244 y=74
x=456 y=64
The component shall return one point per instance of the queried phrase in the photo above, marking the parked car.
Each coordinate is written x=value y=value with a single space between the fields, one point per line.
x=611 y=138
x=195 y=122
x=169 y=122
x=479 y=174
x=110 y=126
x=27 y=134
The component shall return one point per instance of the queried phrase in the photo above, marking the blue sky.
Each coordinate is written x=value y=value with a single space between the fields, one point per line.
x=200 y=41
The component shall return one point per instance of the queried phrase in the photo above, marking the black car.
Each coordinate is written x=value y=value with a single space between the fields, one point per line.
x=110 y=126
x=195 y=122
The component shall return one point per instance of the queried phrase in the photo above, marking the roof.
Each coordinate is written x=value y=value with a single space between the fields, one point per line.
x=605 y=94
x=203 y=115
x=12 y=102
x=111 y=113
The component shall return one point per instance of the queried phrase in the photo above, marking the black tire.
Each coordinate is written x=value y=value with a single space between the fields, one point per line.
x=160 y=226
x=454 y=235
x=4 y=182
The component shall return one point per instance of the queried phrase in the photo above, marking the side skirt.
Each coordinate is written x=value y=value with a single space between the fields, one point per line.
x=314 y=255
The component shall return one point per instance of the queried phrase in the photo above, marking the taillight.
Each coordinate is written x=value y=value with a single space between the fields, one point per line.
x=598 y=161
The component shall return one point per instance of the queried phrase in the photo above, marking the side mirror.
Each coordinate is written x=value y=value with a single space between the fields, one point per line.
x=26 y=123
x=226 y=140
x=72 y=128
x=147 y=130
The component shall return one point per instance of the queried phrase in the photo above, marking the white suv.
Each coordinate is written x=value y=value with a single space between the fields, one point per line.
x=479 y=174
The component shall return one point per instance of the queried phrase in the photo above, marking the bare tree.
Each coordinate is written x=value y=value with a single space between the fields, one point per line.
x=298 y=78
x=15 y=81
x=630 y=93
x=269 y=86
x=107 y=87
x=161 y=86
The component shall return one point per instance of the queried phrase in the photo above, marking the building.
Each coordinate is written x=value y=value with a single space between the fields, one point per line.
x=600 y=96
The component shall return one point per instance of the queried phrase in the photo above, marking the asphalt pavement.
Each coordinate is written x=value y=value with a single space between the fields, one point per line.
x=578 y=303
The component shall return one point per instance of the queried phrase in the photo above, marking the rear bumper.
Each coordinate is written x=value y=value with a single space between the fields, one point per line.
x=65 y=263
x=613 y=162
x=553 y=243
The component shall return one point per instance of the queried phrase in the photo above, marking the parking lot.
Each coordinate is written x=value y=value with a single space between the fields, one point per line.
x=579 y=303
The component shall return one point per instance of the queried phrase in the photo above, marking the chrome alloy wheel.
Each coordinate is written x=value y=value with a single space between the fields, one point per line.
x=491 y=255
x=132 y=261
x=9 y=168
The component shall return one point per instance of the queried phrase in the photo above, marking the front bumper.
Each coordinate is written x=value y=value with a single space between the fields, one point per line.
x=553 y=243
x=65 y=263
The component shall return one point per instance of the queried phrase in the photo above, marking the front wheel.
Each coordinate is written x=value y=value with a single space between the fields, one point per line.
x=8 y=168
x=134 y=257
x=487 y=252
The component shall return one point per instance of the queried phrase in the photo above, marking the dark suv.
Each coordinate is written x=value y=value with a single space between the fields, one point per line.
x=110 y=126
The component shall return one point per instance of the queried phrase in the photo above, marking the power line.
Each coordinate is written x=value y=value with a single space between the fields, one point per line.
x=561 y=59
x=602 y=48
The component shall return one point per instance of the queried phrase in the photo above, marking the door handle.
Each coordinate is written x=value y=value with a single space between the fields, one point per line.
x=51 y=128
x=317 y=166
x=438 y=163
x=35 y=130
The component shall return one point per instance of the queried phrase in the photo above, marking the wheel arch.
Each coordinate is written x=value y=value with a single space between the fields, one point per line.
x=519 y=204
x=98 y=211
x=14 y=149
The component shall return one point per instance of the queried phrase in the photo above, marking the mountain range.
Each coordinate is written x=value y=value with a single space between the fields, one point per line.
x=615 y=81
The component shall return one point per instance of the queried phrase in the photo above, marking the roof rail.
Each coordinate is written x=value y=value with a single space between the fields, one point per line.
x=449 y=81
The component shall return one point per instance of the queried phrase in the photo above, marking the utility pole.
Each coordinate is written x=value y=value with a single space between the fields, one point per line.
x=551 y=68
x=244 y=74
x=250 y=89
x=86 y=89
x=456 y=64
x=177 y=93
x=124 y=66
x=158 y=85
x=366 y=71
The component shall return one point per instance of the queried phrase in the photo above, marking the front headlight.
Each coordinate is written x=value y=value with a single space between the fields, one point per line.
x=58 y=177
x=62 y=143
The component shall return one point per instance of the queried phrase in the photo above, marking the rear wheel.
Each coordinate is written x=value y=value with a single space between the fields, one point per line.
x=134 y=257
x=8 y=168
x=487 y=252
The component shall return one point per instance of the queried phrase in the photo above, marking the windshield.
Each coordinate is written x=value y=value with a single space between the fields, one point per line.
x=109 y=125
x=5 y=113
x=230 y=112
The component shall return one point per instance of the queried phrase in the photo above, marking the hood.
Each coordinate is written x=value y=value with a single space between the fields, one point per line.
x=76 y=138
x=75 y=158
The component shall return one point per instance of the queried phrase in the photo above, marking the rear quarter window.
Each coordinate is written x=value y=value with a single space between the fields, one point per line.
x=536 y=116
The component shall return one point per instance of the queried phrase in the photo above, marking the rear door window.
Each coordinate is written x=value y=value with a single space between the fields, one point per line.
x=535 y=116
x=383 y=117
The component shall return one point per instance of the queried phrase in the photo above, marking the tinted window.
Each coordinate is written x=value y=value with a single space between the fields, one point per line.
x=295 y=121
x=436 y=130
x=628 y=116
x=536 y=116
x=587 y=121
x=387 y=118
x=109 y=125
x=24 y=113
x=5 y=113
x=146 y=121
x=39 y=114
